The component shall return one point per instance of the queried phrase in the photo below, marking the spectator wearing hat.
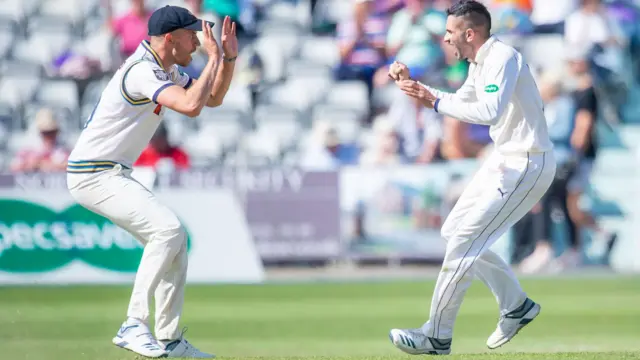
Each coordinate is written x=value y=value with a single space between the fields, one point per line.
x=384 y=150
x=50 y=155
x=160 y=153
x=326 y=151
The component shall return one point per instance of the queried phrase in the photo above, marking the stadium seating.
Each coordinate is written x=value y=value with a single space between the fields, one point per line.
x=299 y=90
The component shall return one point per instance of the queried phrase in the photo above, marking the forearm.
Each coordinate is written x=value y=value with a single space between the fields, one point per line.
x=473 y=113
x=198 y=95
x=222 y=83
x=346 y=50
x=437 y=93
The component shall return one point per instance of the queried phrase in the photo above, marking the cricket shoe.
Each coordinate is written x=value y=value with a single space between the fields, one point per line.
x=415 y=342
x=137 y=337
x=511 y=323
x=181 y=348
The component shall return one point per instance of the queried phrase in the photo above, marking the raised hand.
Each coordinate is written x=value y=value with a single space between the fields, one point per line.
x=415 y=90
x=399 y=71
x=229 y=39
x=210 y=44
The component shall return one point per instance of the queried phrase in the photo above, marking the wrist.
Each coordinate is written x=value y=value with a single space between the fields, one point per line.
x=229 y=58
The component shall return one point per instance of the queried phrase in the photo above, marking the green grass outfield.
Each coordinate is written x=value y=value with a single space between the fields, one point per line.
x=581 y=319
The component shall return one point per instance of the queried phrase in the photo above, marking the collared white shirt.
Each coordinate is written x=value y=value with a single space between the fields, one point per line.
x=127 y=114
x=501 y=92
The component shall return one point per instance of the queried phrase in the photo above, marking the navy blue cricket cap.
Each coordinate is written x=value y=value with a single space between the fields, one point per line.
x=170 y=18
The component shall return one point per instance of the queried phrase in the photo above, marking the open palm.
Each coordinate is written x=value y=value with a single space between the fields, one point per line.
x=229 y=39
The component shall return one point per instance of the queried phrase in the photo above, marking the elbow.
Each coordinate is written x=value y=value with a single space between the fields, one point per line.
x=193 y=114
x=193 y=111
x=214 y=102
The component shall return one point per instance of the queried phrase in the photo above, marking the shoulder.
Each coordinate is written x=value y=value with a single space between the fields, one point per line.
x=502 y=55
x=175 y=72
x=144 y=68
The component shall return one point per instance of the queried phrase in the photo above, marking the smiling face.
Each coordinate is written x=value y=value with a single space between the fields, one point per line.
x=183 y=43
x=459 y=36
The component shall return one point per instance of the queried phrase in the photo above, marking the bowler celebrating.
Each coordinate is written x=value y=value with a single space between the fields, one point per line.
x=120 y=126
x=500 y=92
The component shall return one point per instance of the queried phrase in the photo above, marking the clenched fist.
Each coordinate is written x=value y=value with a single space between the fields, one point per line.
x=399 y=71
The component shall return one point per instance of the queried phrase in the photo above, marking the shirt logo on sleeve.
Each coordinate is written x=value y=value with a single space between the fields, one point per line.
x=491 y=88
x=161 y=75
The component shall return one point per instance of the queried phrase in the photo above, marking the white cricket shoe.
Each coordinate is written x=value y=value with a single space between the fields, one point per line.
x=137 y=337
x=415 y=342
x=510 y=324
x=181 y=348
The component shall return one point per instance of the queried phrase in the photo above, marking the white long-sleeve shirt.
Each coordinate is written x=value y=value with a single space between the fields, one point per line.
x=501 y=92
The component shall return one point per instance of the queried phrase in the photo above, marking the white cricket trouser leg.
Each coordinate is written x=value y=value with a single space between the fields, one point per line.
x=115 y=195
x=170 y=297
x=501 y=193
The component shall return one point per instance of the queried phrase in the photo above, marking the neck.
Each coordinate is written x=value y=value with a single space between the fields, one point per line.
x=476 y=48
x=162 y=54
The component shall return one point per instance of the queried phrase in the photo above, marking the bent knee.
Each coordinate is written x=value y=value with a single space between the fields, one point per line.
x=447 y=231
x=174 y=234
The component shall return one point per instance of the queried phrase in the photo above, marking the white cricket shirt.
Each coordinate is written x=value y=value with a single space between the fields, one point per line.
x=127 y=115
x=501 y=92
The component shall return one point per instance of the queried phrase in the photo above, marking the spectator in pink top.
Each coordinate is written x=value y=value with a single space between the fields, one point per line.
x=130 y=28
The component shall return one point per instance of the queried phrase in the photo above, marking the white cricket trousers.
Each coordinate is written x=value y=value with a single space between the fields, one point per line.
x=501 y=193
x=115 y=195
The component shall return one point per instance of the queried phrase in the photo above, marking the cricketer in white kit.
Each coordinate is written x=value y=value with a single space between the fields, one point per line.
x=99 y=170
x=500 y=91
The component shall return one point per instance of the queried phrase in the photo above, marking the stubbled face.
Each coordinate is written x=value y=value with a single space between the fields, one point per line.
x=184 y=43
x=459 y=36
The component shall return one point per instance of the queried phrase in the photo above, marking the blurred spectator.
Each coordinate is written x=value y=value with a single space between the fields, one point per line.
x=419 y=129
x=414 y=38
x=73 y=64
x=584 y=141
x=161 y=154
x=536 y=228
x=462 y=140
x=548 y=16
x=510 y=17
x=50 y=155
x=522 y=5
x=589 y=26
x=592 y=29
x=250 y=73
x=325 y=150
x=222 y=8
x=131 y=28
x=362 y=42
x=384 y=150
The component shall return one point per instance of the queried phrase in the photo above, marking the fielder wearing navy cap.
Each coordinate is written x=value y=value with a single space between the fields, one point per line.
x=171 y=18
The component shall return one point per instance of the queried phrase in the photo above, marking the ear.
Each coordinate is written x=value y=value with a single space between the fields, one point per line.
x=168 y=38
x=469 y=34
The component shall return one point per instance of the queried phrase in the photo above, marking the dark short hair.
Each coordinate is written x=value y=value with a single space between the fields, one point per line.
x=473 y=11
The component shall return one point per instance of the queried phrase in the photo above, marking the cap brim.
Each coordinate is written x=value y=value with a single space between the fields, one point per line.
x=197 y=26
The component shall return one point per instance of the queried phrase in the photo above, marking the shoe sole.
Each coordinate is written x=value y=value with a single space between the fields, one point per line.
x=536 y=308
x=119 y=342
x=412 y=351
